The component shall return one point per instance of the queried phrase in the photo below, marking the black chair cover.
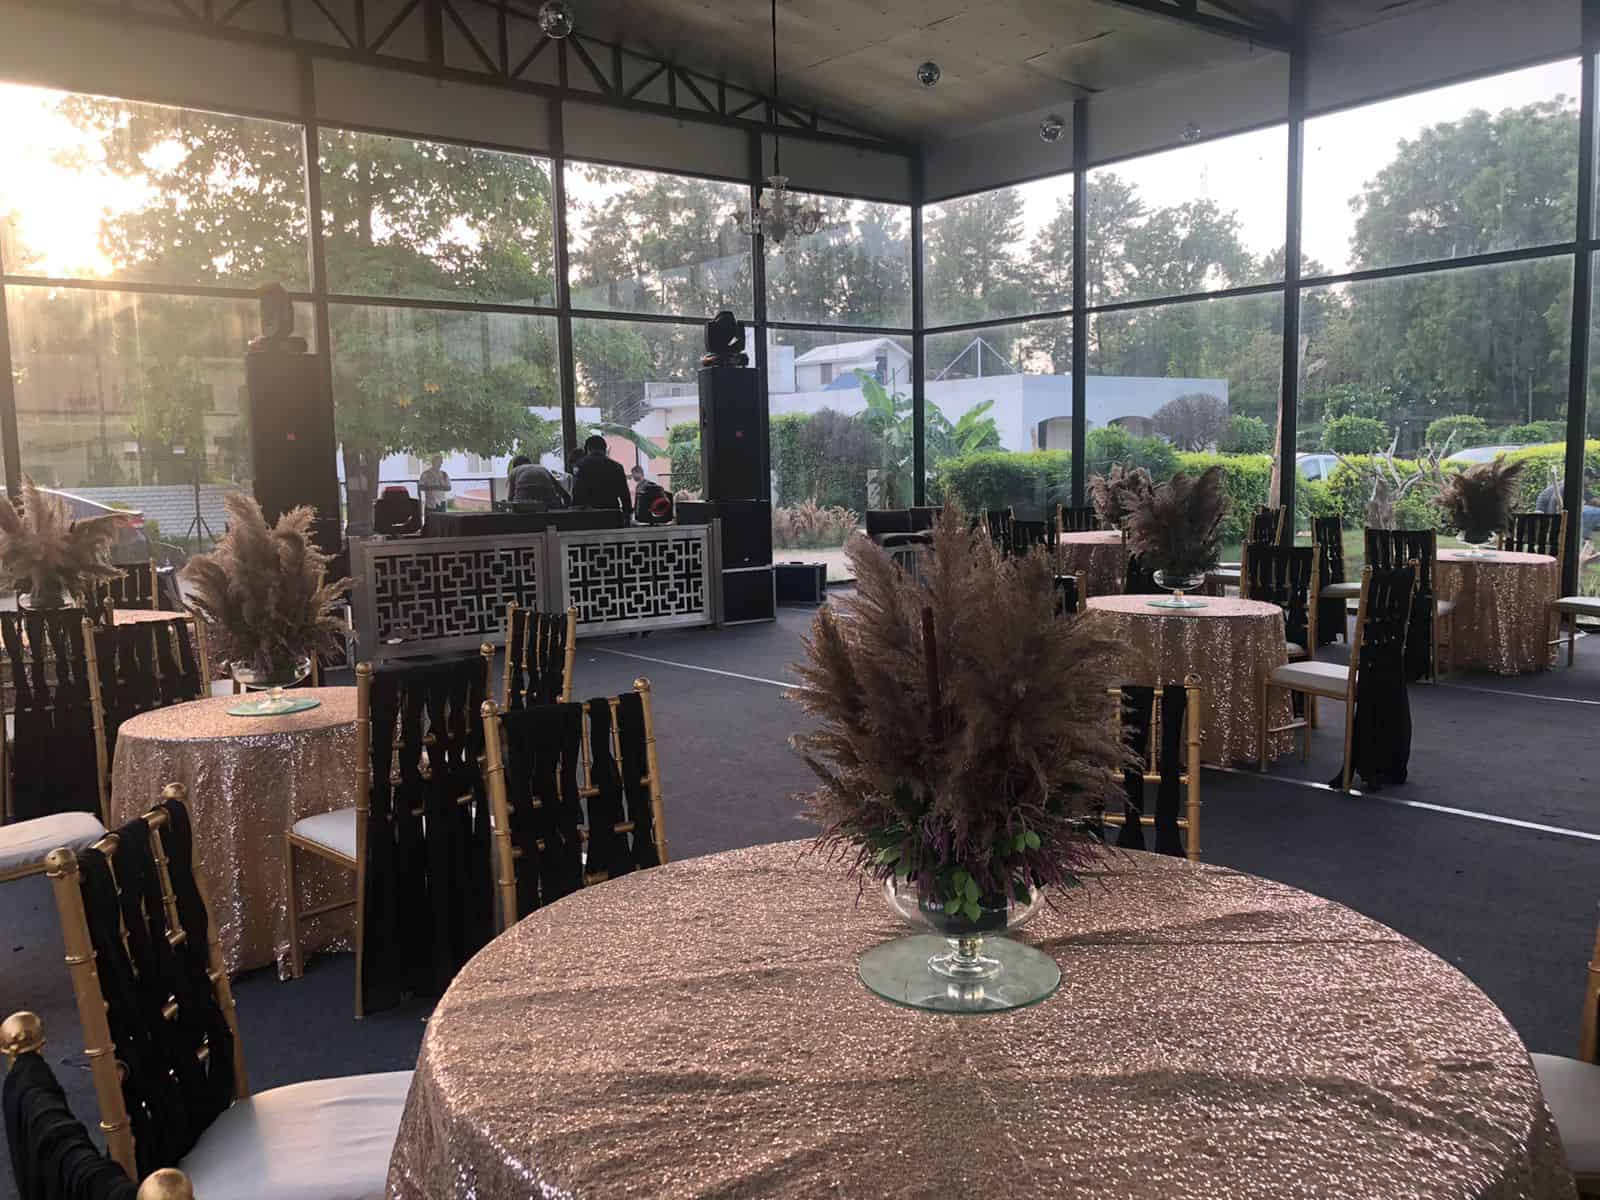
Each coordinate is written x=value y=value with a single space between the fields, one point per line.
x=924 y=517
x=1137 y=711
x=882 y=521
x=1067 y=599
x=1281 y=575
x=1141 y=580
x=1535 y=533
x=541 y=639
x=171 y=1094
x=543 y=753
x=1389 y=549
x=429 y=897
x=1381 y=738
x=54 y=764
x=145 y=666
x=1264 y=527
x=52 y=1155
x=1025 y=535
x=998 y=521
x=1328 y=533
x=1079 y=520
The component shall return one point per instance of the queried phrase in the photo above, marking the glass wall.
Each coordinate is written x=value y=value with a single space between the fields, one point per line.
x=638 y=389
x=855 y=270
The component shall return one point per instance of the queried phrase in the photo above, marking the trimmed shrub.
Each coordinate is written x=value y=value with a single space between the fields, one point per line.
x=683 y=448
x=1535 y=432
x=1032 y=482
x=1246 y=435
x=823 y=456
x=1114 y=444
x=1469 y=431
x=1245 y=478
x=1355 y=435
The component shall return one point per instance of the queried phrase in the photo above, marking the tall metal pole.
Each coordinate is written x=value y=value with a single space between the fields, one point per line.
x=1080 y=300
x=564 y=354
x=1582 y=278
x=758 y=285
x=312 y=142
x=1289 y=389
x=10 y=445
x=919 y=350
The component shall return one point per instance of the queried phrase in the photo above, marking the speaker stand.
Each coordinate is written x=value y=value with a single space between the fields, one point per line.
x=198 y=529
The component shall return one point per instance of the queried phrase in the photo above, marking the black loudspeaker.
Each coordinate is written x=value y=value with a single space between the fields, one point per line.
x=748 y=596
x=746 y=529
x=292 y=442
x=733 y=435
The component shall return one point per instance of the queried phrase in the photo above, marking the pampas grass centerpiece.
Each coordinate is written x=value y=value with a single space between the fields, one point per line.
x=1477 y=501
x=1115 y=495
x=963 y=728
x=263 y=591
x=55 y=558
x=1175 y=527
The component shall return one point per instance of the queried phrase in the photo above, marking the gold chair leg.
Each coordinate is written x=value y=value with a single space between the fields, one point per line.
x=297 y=966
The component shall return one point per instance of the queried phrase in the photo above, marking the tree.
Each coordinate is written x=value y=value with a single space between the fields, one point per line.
x=971 y=269
x=1194 y=421
x=1464 y=431
x=1355 y=435
x=1246 y=435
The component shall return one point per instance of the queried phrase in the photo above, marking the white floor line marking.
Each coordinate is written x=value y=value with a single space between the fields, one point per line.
x=1492 y=818
x=667 y=662
x=1487 y=691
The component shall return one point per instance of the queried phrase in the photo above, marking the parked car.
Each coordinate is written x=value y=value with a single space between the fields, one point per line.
x=133 y=544
x=1483 y=454
x=1316 y=466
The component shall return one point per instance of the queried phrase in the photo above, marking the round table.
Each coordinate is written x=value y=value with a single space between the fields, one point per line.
x=1100 y=555
x=699 y=1029
x=249 y=779
x=1231 y=644
x=1501 y=621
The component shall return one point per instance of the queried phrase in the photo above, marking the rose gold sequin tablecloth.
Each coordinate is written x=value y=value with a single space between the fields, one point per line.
x=249 y=779
x=1100 y=556
x=140 y=616
x=699 y=1030
x=1231 y=644
x=1502 y=617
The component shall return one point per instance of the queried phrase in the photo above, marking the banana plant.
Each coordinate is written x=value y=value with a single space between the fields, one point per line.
x=643 y=444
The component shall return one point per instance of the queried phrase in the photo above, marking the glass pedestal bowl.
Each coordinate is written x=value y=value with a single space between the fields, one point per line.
x=1178 y=585
x=959 y=965
x=272 y=683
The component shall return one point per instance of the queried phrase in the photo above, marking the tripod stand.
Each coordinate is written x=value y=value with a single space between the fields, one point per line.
x=198 y=528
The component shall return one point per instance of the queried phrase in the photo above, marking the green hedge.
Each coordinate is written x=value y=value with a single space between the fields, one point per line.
x=1032 y=482
x=683 y=446
x=1246 y=479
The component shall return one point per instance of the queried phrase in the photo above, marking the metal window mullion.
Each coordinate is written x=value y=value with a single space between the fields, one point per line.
x=10 y=443
x=567 y=367
x=1289 y=396
x=311 y=132
x=919 y=340
x=1582 y=299
x=758 y=286
x=1080 y=300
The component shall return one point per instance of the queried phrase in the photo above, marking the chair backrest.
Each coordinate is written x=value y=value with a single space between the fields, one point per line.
x=159 y=1026
x=541 y=651
x=1163 y=729
x=575 y=792
x=424 y=896
x=1266 y=527
x=53 y=755
x=1071 y=592
x=1077 y=520
x=1289 y=577
x=924 y=517
x=139 y=586
x=998 y=521
x=1537 y=533
x=1327 y=533
x=1382 y=621
x=1025 y=535
x=52 y=1154
x=888 y=520
x=1139 y=579
x=1390 y=548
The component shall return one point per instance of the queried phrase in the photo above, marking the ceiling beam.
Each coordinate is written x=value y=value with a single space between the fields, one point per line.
x=1187 y=13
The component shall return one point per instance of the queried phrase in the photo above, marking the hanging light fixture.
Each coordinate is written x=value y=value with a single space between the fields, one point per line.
x=779 y=212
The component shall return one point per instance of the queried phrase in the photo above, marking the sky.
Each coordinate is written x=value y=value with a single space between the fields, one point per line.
x=62 y=204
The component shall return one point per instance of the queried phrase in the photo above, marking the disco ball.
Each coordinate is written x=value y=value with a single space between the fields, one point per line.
x=928 y=74
x=1051 y=128
x=555 y=18
x=1191 y=133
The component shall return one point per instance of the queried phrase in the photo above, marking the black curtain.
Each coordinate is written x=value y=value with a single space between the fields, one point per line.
x=536 y=650
x=54 y=764
x=1381 y=736
x=428 y=903
x=1392 y=549
x=1137 y=712
x=52 y=1155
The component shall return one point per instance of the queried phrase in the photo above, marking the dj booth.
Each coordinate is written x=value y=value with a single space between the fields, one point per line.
x=433 y=593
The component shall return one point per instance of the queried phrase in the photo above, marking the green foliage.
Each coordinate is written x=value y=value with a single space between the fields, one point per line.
x=1355 y=435
x=1246 y=480
x=683 y=449
x=1465 y=431
x=1114 y=444
x=1547 y=462
x=1416 y=510
x=888 y=417
x=1377 y=401
x=1246 y=435
x=1533 y=432
x=1032 y=482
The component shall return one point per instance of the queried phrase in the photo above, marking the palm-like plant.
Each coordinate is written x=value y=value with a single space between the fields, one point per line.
x=263 y=591
x=889 y=417
x=45 y=551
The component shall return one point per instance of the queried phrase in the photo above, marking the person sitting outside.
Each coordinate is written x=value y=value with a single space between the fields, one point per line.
x=531 y=482
x=599 y=480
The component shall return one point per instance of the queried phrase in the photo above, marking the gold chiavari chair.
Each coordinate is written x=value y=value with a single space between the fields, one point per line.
x=536 y=645
x=1380 y=622
x=1572 y=1087
x=1291 y=578
x=1566 y=612
x=1083 y=519
x=1188 y=821
x=320 y=1140
x=47 y=725
x=1537 y=533
x=515 y=831
x=33 y=1091
x=1072 y=593
x=341 y=836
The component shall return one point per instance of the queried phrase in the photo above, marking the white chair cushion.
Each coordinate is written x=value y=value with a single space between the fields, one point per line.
x=1572 y=1088
x=1295 y=650
x=336 y=830
x=24 y=843
x=1584 y=606
x=1446 y=607
x=1311 y=677
x=1340 y=591
x=329 y=1139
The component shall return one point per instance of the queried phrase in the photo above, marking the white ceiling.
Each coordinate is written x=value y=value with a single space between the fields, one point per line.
x=856 y=60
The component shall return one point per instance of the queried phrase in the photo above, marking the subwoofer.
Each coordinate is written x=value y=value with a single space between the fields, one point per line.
x=733 y=435
x=746 y=529
x=292 y=440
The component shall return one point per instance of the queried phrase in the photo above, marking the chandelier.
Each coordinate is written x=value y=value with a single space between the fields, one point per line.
x=779 y=212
